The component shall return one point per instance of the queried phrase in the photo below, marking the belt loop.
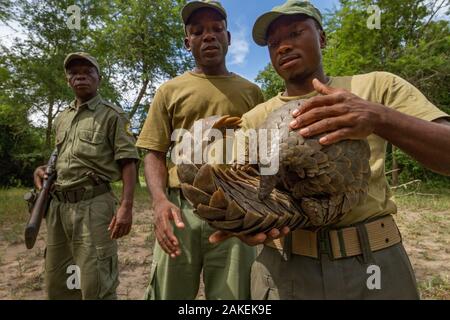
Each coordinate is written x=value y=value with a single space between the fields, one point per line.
x=363 y=238
x=287 y=247
x=324 y=246
x=342 y=249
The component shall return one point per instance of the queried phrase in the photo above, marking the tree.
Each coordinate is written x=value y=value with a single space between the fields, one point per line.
x=20 y=143
x=5 y=10
x=271 y=82
x=150 y=48
x=409 y=43
x=138 y=45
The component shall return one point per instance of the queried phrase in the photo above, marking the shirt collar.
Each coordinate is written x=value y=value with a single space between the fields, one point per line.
x=91 y=104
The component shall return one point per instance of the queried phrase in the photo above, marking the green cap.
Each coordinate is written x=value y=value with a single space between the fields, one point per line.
x=193 y=6
x=290 y=7
x=81 y=56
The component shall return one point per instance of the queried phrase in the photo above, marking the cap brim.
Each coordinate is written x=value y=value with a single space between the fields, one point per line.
x=75 y=56
x=263 y=23
x=189 y=9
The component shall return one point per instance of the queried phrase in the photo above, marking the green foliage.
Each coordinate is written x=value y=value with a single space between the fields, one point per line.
x=410 y=169
x=149 y=47
x=137 y=43
x=20 y=147
x=5 y=9
x=271 y=83
x=409 y=43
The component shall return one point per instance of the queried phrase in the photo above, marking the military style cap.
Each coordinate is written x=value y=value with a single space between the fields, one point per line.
x=291 y=7
x=193 y=6
x=81 y=56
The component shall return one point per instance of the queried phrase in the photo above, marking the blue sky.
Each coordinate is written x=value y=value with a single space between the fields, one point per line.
x=245 y=57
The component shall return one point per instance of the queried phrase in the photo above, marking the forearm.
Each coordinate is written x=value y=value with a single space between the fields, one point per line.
x=129 y=181
x=427 y=142
x=156 y=174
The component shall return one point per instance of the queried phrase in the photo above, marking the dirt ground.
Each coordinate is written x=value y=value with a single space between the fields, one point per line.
x=426 y=236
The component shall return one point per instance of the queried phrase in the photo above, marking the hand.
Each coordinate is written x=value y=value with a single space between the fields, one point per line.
x=121 y=223
x=251 y=240
x=39 y=175
x=164 y=211
x=339 y=113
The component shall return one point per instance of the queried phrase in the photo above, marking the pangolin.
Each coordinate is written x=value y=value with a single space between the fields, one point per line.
x=314 y=185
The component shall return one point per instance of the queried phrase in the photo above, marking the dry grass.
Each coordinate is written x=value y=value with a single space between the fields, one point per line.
x=423 y=218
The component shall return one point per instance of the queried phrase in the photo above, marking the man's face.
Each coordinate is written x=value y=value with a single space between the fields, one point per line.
x=207 y=37
x=295 y=44
x=83 y=78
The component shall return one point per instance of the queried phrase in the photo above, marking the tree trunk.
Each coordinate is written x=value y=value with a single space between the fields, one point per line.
x=139 y=97
x=48 y=131
x=394 y=167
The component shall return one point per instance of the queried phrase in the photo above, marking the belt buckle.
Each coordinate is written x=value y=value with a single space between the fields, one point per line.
x=324 y=243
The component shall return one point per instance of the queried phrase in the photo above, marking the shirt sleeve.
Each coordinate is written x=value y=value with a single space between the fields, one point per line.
x=402 y=96
x=122 y=139
x=157 y=129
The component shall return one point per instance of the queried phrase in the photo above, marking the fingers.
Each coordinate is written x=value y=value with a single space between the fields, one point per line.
x=325 y=125
x=38 y=176
x=112 y=224
x=251 y=240
x=317 y=114
x=277 y=233
x=323 y=88
x=336 y=136
x=176 y=216
x=219 y=236
x=254 y=240
x=285 y=231
x=121 y=230
x=167 y=240
x=330 y=96
x=165 y=236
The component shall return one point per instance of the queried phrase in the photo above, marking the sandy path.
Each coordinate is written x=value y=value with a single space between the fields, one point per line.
x=426 y=237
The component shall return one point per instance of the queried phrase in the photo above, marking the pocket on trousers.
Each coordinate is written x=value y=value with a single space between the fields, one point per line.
x=108 y=273
x=262 y=285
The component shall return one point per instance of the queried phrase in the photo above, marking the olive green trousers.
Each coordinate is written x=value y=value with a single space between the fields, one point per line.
x=386 y=275
x=226 y=266
x=81 y=259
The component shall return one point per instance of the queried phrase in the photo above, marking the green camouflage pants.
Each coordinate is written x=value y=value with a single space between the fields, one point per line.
x=81 y=258
x=226 y=266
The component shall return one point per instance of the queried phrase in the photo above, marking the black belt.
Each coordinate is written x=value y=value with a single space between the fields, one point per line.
x=84 y=193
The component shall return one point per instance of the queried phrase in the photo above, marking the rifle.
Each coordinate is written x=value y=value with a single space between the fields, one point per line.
x=38 y=202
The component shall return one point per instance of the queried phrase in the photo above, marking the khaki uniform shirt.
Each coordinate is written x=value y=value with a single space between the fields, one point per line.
x=91 y=138
x=189 y=97
x=380 y=87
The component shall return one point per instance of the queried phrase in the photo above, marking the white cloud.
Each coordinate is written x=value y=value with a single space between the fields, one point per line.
x=240 y=46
